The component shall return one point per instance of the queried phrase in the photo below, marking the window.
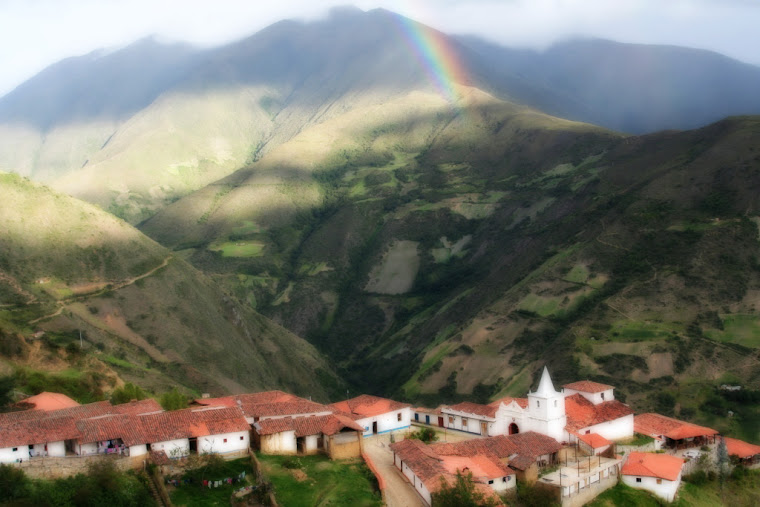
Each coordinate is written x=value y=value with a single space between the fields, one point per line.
x=241 y=437
x=451 y=419
x=464 y=422
x=659 y=481
x=490 y=481
x=15 y=449
x=225 y=440
x=638 y=479
x=416 y=416
x=398 y=416
x=555 y=403
x=602 y=395
x=538 y=403
x=509 y=478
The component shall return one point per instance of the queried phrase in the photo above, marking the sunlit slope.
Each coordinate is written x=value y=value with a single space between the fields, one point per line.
x=67 y=266
x=340 y=232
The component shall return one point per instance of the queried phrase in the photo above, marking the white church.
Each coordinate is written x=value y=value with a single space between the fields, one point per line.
x=581 y=408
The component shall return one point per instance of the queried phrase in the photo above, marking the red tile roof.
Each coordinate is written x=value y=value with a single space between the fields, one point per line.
x=49 y=401
x=303 y=426
x=645 y=464
x=594 y=440
x=522 y=449
x=295 y=407
x=741 y=449
x=425 y=410
x=581 y=413
x=522 y=402
x=475 y=409
x=111 y=427
x=367 y=405
x=145 y=406
x=192 y=422
x=656 y=424
x=432 y=469
x=587 y=386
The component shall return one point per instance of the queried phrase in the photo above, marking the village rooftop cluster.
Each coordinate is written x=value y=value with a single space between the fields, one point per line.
x=566 y=441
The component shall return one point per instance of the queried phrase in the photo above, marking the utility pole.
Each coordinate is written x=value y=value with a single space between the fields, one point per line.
x=80 y=339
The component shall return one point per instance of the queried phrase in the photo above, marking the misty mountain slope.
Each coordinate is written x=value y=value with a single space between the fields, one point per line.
x=633 y=88
x=227 y=107
x=67 y=266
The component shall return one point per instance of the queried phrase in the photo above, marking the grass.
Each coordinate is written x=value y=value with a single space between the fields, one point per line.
x=325 y=482
x=625 y=496
x=578 y=274
x=743 y=329
x=239 y=248
x=194 y=495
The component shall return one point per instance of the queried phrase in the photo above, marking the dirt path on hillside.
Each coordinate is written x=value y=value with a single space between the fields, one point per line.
x=110 y=287
x=30 y=298
x=398 y=491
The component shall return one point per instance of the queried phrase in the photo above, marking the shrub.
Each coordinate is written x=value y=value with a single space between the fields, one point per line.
x=423 y=434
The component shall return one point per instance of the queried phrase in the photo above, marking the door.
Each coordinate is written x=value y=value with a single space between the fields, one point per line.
x=513 y=429
x=484 y=429
x=427 y=419
x=374 y=427
x=440 y=422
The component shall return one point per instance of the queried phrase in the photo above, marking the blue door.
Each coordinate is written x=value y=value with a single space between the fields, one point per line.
x=427 y=419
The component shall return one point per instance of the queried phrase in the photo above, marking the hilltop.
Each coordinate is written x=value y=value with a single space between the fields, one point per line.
x=136 y=129
x=67 y=267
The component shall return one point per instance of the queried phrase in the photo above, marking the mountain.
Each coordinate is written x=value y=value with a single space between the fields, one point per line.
x=452 y=251
x=633 y=88
x=136 y=129
x=67 y=267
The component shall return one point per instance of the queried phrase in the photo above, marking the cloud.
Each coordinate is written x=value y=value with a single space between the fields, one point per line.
x=36 y=33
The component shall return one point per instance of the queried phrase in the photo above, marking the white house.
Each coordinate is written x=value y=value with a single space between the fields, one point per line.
x=657 y=473
x=426 y=468
x=592 y=408
x=376 y=415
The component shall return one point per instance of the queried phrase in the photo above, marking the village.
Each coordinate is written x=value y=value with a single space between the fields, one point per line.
x=573 y=443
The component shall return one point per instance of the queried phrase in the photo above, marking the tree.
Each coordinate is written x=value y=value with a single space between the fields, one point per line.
x=127 y=393
x=14 y=484
x=173 y=400
x=424 y=434
x=7 y=384
x=462 y=493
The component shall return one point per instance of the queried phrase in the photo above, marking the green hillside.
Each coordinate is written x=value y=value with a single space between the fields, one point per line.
x=451 y=252
x=144 y=314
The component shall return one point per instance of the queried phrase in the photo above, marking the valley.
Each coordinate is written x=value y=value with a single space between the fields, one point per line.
x=328 y=220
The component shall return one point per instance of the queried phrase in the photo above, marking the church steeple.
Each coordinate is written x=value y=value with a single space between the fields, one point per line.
x=545 y=386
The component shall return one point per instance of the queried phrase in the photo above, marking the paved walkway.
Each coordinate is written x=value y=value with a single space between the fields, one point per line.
x=398 y=491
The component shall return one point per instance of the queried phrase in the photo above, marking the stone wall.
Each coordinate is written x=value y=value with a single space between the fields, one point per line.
x=345 y=449
x=53 y=468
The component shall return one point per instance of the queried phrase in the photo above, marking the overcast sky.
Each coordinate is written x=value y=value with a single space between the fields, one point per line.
x=36 y=33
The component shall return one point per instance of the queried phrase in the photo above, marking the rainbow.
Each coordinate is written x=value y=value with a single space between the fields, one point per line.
x=435 y=55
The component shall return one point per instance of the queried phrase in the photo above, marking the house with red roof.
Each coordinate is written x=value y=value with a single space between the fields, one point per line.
x=429 y=416
x=376 y=415
x=588 y=412
x=336 y=435
x=673 y=432
x=747 y=454
x=658 y=473
x=427 y=470
x=47 y=401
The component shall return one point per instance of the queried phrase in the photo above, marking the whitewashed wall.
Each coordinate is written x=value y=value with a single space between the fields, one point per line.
x=666 y=490
x=237 y=441
x=413 y=479
x=8 y=455
x=387 y=422
x=138 y=450
x=595 y=398
x=173 y=448
x=279 y=443
x=619 y=429
x=87 y=449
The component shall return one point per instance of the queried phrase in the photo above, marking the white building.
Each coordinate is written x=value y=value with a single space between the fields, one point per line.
x=657 y=473
x=543 y=411
x=376 y=415
x=425 y=467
